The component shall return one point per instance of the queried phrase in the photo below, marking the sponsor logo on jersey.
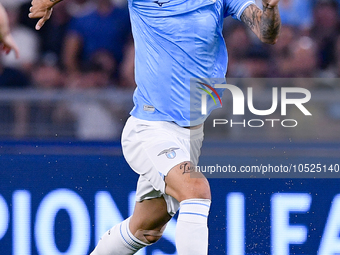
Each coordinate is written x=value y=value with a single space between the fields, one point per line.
x=161 y=3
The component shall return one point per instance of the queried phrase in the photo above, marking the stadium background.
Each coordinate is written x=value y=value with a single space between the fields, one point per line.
x=64 y=180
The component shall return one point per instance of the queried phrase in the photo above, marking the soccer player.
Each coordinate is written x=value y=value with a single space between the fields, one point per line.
x=6 y=40
x=175 y=40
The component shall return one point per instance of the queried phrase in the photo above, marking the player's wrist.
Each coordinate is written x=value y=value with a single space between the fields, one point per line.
x=268 y=5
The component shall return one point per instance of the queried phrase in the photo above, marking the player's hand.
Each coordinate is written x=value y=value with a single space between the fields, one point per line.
x=7 y=44
x=270 y=3
x=41 y=9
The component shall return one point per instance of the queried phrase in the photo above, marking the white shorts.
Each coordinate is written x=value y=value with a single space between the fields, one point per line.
x=153 y=148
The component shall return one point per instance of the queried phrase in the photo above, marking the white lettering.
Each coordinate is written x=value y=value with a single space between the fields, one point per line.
x=330 y=242
x=21 y=222
x=235 y=224
x=283 y=234
x=4 y=217
x=80 y=223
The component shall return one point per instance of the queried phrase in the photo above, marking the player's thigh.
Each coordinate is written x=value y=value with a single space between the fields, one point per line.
x=150 y=214
x=182 y=182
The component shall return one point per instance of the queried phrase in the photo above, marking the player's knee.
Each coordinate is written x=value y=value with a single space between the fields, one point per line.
x=200 y=189
x=196 y=188
x=203 y=189
x=148 y=236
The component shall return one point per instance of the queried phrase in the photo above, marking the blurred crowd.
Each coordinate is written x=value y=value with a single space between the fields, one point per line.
x=309 y=44
x=88 y=43
x=85 y=44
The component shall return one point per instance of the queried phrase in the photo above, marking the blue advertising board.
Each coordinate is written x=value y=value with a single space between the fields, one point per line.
x=60 y=197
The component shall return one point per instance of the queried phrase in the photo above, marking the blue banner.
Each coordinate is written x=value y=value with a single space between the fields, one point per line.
x=60 y=197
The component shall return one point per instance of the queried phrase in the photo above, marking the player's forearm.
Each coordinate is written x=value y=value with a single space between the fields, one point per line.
x=4 y=27
x=265 y=24
x=270 y=24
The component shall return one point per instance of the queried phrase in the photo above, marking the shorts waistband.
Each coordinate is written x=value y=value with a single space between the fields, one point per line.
x=192 y=133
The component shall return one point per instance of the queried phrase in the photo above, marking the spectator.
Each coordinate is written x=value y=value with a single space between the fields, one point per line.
x=7 y=42
x=94 y=119
x=12 y=78
x=127 y=71
x=325 y=31
x=106 y=28
x=43 y=114
x=47 y=75
x=80 y=8
x=304 y=58
x=28 y=44
x=14 y=113
x=282 y=52
x=297 y=13
x=257 y=62
x=108 y=64
x=337 y=65
x=54 y=35
x=235 y=35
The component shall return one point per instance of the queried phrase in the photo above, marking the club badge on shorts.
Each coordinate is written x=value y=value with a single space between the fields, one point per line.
x=169 y=153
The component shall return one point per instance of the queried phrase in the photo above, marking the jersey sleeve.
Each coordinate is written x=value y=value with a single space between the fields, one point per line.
x=235 y=8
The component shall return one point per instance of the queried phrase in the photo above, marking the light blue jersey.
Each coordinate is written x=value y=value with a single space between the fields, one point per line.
x=176 y=40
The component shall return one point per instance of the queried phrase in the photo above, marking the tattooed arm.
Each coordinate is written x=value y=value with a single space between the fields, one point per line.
x=42 y=9
x=265 y=24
